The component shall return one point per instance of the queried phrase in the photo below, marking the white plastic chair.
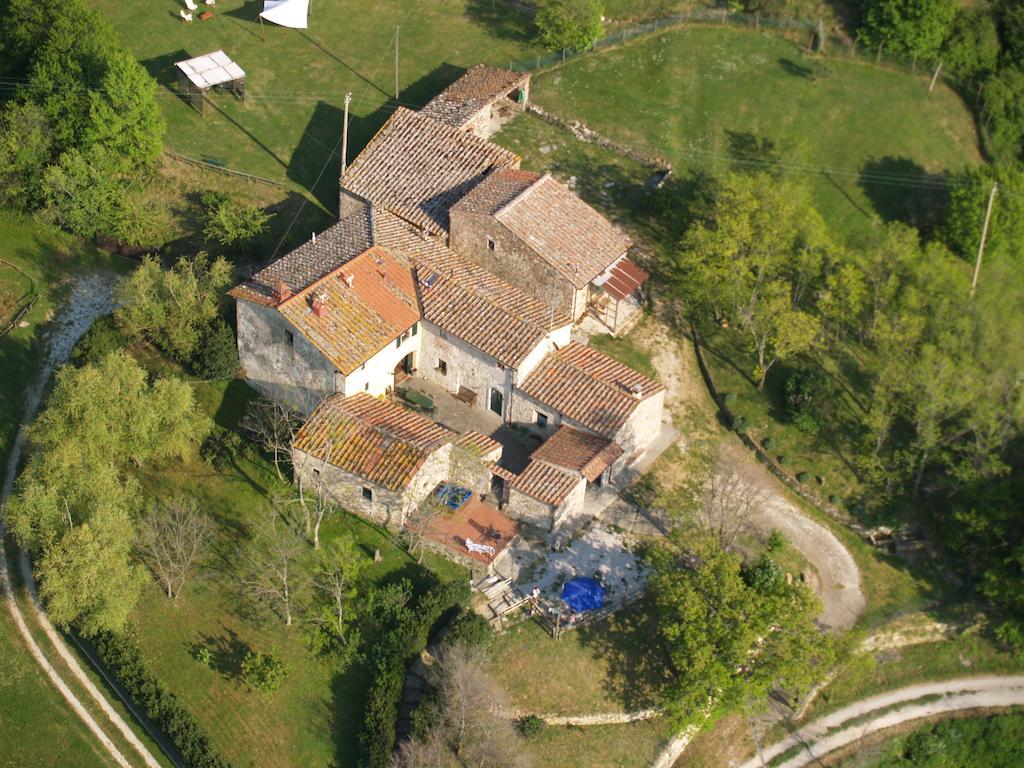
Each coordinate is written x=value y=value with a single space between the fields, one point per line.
x=186 y=17
x=211 y=2
x=190 y=5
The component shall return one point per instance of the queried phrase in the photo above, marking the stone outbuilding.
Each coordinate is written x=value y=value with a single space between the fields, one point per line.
x=481 y=100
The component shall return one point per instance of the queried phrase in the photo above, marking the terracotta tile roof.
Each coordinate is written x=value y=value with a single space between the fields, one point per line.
x=349 y=323
x=583 y=452
x=589 y=387
x=480 y=444
x=311 y=260
x=469 y=302
x=418 y=167
x=372 y=438
x=478 y=87
x=546 y=482
x=622 y=278
x=496 y=191
x=566 y=232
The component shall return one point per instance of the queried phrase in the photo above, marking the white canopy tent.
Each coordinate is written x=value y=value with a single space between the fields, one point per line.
x=286 y=13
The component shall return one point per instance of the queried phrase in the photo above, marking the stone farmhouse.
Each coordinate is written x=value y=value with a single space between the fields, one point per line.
x=452 y=266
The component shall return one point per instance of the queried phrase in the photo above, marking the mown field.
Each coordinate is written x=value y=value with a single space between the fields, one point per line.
x=700 y=97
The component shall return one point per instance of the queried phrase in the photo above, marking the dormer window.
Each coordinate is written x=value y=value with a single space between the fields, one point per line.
x=490 y=244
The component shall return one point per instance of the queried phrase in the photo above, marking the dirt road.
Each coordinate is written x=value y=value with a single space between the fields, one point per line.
x=852 y=723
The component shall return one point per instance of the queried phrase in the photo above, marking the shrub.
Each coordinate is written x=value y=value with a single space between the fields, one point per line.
x=263 y=671
x=203 y=655
x=121 y=655
x=470 y=628
x=221 y=448
x=729 y=398
x=806 y=389
x=102 y=338
x=575 y=24
x=782 y=459
x=803 y=477
x=216 y=356
x=230 y=223
x=775 y=540
x=768 y=443
x=531 y=726
x=833 y=499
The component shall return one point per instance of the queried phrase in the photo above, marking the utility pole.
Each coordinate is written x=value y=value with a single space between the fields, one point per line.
x=396 y=64
x=344 y=135
x=935 y=77
x=984 y=236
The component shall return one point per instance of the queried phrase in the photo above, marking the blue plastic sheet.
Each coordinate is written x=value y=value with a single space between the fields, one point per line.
x=583 y=594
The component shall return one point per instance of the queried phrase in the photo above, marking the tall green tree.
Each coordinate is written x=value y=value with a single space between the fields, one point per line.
x=1002 y=114
x=972 y=49
x=572 y=24
x=969 y=195
x=172 y=307
x=911 y=27
x=26 y=148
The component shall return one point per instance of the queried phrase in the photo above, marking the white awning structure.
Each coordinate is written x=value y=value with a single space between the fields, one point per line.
x=286 y=13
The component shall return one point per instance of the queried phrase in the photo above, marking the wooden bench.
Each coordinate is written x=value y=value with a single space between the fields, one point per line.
x=468 y=396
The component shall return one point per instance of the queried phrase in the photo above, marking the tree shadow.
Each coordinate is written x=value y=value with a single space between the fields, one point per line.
x=629 y=641
x=227 y=651
x=749 y=152
x=793 y=69
x=504 y=19
x=901 y=190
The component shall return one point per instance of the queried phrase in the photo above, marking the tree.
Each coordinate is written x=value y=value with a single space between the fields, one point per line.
x=420 y=521
x=728 y=503
x=172 y=307
x=972 y=49
x=572 y=24
x=216 y=356
x=26 y=148
x=754 y=258
x=273 y=564
x=1002 y=114
x=87 y=578
x=731 y=632
x=173 y=538
x=272 y=425
x=334 y=584
x=969 y=195
x=913 y=27
x=230 y=223
x=126 y=128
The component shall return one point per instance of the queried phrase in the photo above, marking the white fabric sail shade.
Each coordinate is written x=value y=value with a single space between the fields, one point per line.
x=286 y=13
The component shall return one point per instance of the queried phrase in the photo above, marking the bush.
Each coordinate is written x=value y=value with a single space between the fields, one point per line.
x=803 y=477
x=767 y=443
x=121 y=655
x=230 y=223
x=216 y=356
x=531 y=726
x=782 y=459
x=775 y=540
x=729 y=398
x=833 y=499
x=263 y=671
x=573 y=24
x=102 y=338
x=221 y=448
x=202 y=654
x=806 y=390
x=470 y=628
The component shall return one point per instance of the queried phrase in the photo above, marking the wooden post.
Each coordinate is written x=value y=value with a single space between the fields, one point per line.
x=984 y=236
x=344 y=135
x=396 y=63
x=935 y=77
x=263 y=35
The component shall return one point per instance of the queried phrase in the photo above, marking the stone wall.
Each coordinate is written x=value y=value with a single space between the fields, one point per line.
x=295 y=372
x=514 y=261
x=466 y=367
x=641 y=428
x=524 y=413
x=547 y=517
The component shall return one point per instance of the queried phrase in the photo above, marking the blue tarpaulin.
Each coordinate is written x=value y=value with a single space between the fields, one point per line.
x=453 y=496
x=583 y=594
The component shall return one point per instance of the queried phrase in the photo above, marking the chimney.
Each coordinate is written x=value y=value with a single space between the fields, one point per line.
x=320 y=304
x=349 y=279
x=281 y=291
x=314 y=238
x=637 y=391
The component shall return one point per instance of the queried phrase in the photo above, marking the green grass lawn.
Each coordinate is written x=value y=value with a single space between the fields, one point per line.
x=296 y=80
x=699 y=95
x=313 y=720
x=626 y=745
x=609 y=666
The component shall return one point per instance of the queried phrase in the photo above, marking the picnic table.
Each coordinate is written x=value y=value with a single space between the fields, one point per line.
x=420 y=400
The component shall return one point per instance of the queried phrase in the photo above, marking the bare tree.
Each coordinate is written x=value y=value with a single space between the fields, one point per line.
x=334 y=583
x=729 y=502
x=428 y=752
x=173 y=537
x=273 y=565
x=272 y=425
x=420 y=521
x=468 y=702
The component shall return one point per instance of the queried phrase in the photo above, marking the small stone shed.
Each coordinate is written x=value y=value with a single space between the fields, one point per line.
x=481 y=100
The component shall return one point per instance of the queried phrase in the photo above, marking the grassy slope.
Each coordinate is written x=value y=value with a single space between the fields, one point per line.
x=36 y=726
x=681 y=94
x=297 y=79
x=314 y=718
